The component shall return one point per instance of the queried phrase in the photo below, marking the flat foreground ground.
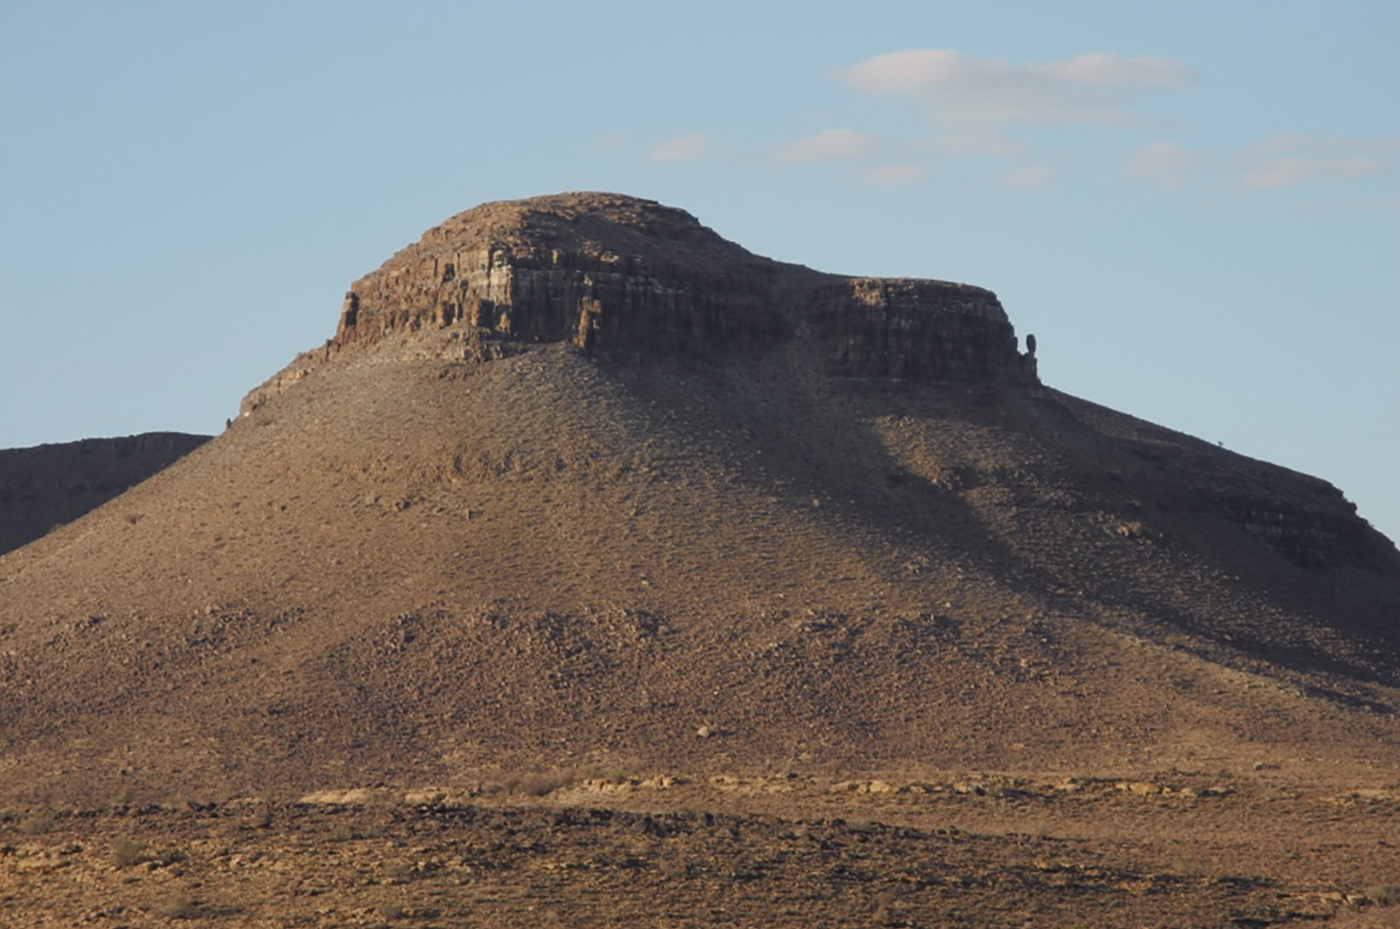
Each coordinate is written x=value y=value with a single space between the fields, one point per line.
x=1250 y=850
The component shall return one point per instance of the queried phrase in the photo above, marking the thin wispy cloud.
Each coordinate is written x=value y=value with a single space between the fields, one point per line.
x=981 y=108
x=1290 y=172
x=896 y=175
x=975 y=145
x=828 y=145
x=1097 y=87
x=681 y=148
x=1167 y=165
x=1292 y=160
x=1280 y=162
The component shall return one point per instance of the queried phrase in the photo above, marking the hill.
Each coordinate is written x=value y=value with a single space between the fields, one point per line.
x=48 y=485
x=579 y=486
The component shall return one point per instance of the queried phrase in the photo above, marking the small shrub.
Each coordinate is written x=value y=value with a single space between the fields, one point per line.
x=1385 y=895
x=126 y=853
x=398 y=871
x=1186 y=866
x=171 y=856
x=38 y=823
x=539 y=785
x=536 y=785
x=884 y=910
x=178 y=906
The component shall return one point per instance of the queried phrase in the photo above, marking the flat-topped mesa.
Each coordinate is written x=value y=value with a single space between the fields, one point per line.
x=621 y=277
x=605 y=272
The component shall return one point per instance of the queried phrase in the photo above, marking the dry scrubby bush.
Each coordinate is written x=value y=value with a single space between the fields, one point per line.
x=126 y=853
x=535 y=784
x=178 y=906
x=37 y=823
x=1385 y=895
x=596 y=772
x=170 y=856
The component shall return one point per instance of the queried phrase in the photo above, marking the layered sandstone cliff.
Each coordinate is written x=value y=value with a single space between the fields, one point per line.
x=620 y=277
x=915 y=330
x=607 y=273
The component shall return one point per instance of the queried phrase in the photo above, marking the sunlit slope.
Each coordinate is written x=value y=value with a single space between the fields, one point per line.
x=412 y=563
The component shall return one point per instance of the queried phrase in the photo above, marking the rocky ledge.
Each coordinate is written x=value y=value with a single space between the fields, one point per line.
x=621 y=277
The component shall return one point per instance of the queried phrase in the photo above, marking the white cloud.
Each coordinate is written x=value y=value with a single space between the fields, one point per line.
x=681 y=147
x=1290 y=172
x=899 y=175
x=828 y=145
x=975 y=144
x=1164 y=164
x=1284 y=161
x=1029 y=177
x=1106 y=69
x=1094 y=88
x=1276 y=163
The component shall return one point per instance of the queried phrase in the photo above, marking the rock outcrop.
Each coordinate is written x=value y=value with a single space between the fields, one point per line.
x=610 y=274
x=915 y=330
x=620 y=277
x=1314 y=531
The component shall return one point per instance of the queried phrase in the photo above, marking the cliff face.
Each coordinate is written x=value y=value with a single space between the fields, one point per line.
x=620 y=277
x=598 y=302
x=915 y=330
x=609 y=274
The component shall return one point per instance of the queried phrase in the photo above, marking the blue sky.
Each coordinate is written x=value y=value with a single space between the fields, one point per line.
x=1195 y=206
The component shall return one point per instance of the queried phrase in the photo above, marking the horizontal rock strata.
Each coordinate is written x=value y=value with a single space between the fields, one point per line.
x=625 y=278
x=914 y=330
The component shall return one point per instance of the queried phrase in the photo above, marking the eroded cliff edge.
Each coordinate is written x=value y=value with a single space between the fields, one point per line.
x=620 y=277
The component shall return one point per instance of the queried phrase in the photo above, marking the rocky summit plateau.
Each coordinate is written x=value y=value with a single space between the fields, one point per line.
x=597 y=571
